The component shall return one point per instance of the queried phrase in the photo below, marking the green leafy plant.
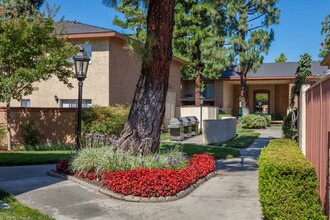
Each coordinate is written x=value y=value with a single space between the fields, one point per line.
x=2 y=133
x=288 y=185
x=276 y=117
x=289 y=130
x=254 y=121
x=30 y=135
x=105 y=120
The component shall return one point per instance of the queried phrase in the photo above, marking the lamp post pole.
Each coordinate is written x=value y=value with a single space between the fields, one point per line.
x=81 y=62
x=80 y=87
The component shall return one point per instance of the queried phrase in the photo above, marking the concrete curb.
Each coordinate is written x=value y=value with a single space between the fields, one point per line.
x=131 y=198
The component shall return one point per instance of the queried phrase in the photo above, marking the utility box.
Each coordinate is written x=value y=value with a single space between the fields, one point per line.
x=176 y=129
x=194 y=125
x=187 y=127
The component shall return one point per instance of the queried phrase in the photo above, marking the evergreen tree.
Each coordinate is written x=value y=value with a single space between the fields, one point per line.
x=281 y=59
x=249 y=36
x=303 y=70
x=325 y=46
x=135 y=18
x=141 y=132
x=199 y=37
x=19 y=7
x=30 y=51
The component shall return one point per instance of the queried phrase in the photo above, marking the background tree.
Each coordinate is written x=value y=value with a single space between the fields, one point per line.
x=134 y=18
x=249 y=36
x=281 y=59
x=19 y=7
x=303 y=70
x=325 y=46
x=142 y=130
x=30 y=51
x=199 y=37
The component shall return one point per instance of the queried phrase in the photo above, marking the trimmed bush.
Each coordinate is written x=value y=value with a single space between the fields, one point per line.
x=254 y=121
x=288 y=183
x=105 y=120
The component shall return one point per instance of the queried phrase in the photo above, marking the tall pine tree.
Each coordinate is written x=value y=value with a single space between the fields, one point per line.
x=199 y=37
x=281 y=59
x=249 y=36
x=141 y=132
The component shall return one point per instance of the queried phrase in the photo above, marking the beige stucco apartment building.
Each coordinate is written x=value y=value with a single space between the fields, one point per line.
x=112 y=75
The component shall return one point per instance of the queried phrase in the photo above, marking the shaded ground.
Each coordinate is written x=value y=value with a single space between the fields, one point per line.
x=232 y=195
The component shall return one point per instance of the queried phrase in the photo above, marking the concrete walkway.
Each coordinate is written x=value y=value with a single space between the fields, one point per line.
x=232 y=195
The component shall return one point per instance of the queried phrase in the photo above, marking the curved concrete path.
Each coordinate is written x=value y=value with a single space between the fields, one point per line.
x=232 y=195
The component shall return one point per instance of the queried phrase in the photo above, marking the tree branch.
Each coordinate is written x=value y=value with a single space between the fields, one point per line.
x=259 y=16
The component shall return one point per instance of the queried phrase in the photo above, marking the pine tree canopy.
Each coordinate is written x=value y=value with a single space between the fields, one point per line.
x=281 y=59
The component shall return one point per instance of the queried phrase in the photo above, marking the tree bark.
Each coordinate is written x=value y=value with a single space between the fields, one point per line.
x=244 y=94
x=142 y=130
x=8 y=127
x=198 y=86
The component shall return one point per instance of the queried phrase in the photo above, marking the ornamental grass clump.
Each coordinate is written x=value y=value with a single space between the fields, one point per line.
x=106 y=158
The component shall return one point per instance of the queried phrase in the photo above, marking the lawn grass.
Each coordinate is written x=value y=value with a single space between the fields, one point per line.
x=191 y=149
x=244 y=138
x=32 y=157
x=18 y=211
x=164 y=136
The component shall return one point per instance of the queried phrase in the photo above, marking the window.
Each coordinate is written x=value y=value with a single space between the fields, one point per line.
x=73 y=103
x=209 y=90
x=26 y=103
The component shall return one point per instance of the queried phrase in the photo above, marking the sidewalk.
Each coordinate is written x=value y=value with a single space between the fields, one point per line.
x=232 y=195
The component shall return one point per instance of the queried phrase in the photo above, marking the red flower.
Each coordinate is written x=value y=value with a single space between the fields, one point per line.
x=159 y=182
x=321 y=44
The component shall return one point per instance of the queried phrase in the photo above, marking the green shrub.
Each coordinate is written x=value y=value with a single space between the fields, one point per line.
x=3 y=132
x=30 y=135
x=105 y=120
x=105 y=158
x=276 y=117
x=254 y=121
x=288 y=132
x=288 y=185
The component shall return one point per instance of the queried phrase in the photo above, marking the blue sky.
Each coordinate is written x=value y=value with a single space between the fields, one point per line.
x=297 y=33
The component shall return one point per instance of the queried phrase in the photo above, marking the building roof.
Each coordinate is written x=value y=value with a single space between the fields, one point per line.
x=77 y=30
x=75 y=27
x=276 y=70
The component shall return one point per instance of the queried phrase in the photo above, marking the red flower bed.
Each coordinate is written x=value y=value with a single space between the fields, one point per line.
x=153 y=182
x=159 y=182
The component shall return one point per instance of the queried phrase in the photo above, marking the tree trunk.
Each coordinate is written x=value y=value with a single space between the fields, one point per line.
x=142 y=130
x=244 y=95
x=198 y=86
x=8 y=127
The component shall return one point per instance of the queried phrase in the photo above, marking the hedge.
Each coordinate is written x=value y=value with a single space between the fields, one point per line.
x=288 y=183
x=255 y=121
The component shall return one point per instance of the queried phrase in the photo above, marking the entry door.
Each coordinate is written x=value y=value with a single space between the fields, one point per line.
x=261 y=101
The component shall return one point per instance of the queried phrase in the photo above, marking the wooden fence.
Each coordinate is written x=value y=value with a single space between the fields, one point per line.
x=318 y=134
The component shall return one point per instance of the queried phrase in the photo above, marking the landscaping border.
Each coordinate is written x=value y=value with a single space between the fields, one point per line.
x=131 y=198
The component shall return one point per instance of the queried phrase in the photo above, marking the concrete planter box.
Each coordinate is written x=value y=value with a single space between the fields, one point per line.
x=219 y=130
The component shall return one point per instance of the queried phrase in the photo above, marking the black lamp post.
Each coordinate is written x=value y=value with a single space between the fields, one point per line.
x=81 y=62
x=201 y=103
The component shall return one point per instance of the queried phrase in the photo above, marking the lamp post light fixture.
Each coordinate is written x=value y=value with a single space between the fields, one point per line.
x=201 y=103
x=81 y=62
